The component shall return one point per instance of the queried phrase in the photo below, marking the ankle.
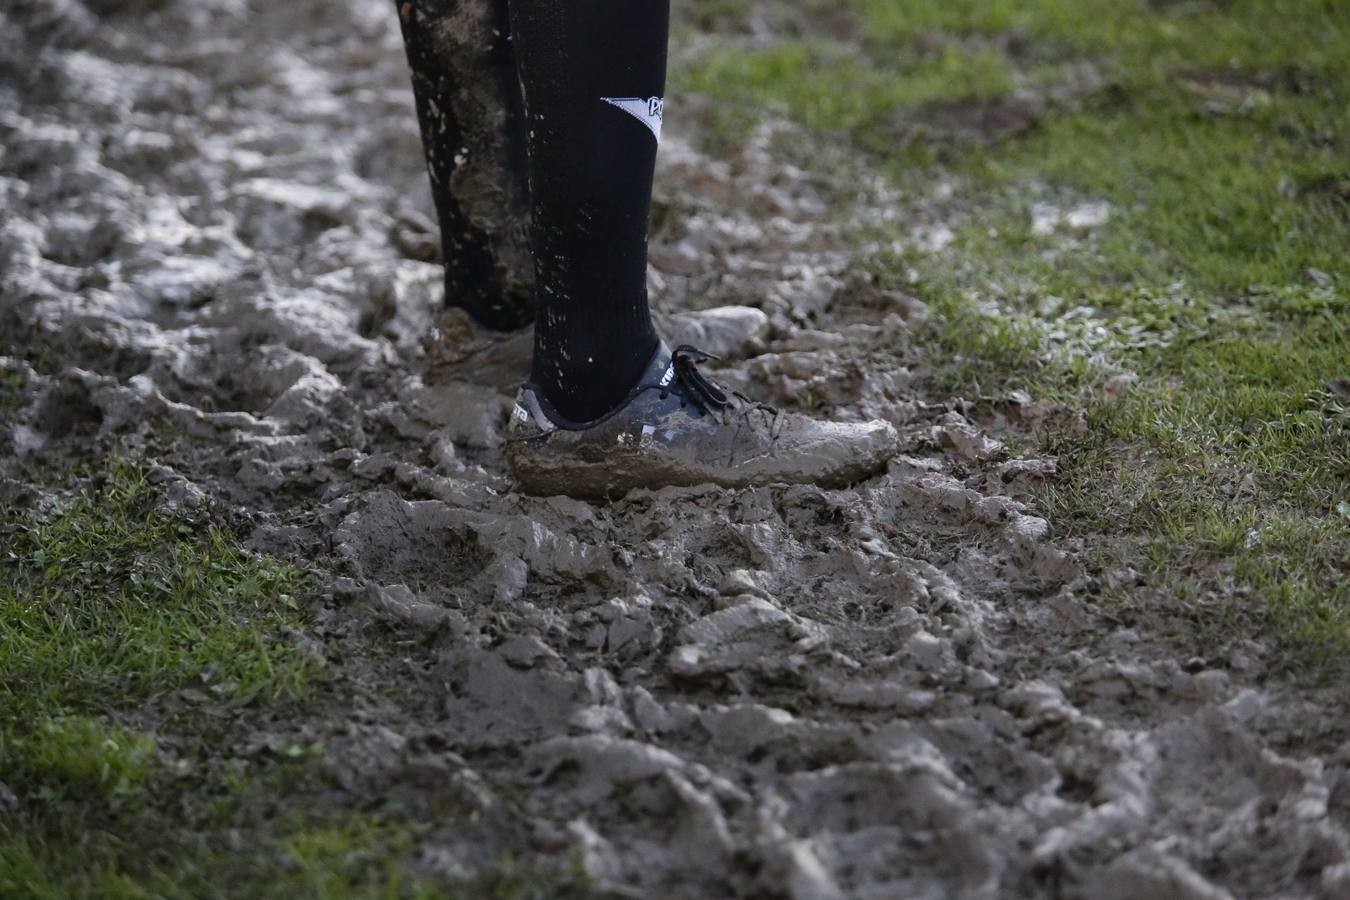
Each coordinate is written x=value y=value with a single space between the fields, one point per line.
x=581 y=390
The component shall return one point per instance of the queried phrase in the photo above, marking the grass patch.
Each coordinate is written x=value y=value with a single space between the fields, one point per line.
x=108 y=602
x=117 y=615
x=353 y=856
x=826 y=85
x=12 y=383
x=1211 y=139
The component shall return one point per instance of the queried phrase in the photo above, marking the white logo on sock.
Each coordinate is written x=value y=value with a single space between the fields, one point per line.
x=647 y=111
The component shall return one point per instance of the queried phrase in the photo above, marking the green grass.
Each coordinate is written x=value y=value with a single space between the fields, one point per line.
x=11 y=389
x=109 y=602
x=75 y=758
x=1217 y=136
x=826 y=85
x=354 y=855
x=137 y=650
x=107 y=605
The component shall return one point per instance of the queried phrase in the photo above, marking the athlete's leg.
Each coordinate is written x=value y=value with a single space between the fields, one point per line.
x=609 y=406
x=472 y=119
x=593 y=74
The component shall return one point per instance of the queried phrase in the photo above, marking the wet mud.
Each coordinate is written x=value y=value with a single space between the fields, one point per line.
x=897 y=689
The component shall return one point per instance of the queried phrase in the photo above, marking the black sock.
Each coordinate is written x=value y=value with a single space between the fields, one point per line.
x=593 y=74
x=473 y=133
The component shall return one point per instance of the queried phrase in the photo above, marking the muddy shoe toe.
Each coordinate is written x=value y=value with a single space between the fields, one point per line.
x=679 y=428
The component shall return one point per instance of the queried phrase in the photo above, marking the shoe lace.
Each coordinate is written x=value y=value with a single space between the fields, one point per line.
x=696 y=387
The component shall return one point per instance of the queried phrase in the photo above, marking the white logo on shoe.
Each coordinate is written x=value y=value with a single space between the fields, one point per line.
x=668 y=377
x=648 y=111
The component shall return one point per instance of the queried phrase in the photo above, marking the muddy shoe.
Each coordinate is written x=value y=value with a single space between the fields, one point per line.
x=679 y=428
x=459 y=349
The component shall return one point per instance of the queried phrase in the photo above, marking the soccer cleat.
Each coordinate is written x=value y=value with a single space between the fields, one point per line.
x=459 y=349
x=679 y=428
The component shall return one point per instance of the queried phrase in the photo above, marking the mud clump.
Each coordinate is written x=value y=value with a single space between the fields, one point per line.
x=896 y=689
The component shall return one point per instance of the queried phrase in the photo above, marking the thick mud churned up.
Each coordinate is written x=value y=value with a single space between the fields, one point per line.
x=887 y=691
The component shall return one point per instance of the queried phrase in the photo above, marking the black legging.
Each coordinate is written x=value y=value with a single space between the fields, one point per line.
x=473 y=133
x=592 y=73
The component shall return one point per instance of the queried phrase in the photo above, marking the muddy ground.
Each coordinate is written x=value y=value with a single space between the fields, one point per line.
x=211 y=258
